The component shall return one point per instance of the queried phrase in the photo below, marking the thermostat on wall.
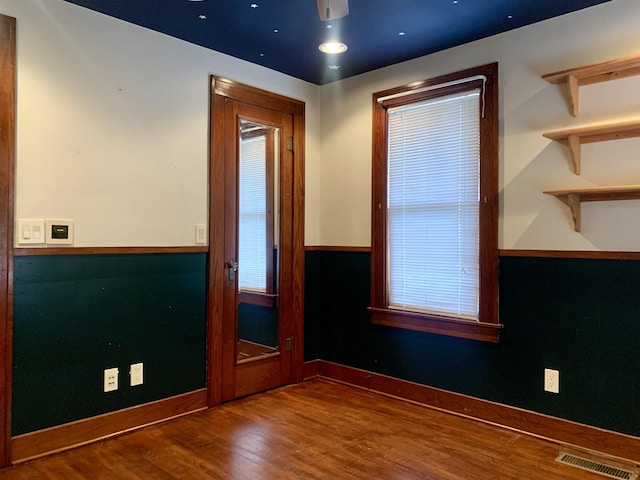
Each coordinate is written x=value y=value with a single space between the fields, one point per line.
x=59 y=231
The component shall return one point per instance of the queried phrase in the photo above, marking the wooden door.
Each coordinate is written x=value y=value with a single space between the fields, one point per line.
x=255 y=266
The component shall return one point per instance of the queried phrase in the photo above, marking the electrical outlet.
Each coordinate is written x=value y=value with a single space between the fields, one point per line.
x=110 y=379
x=551 y=380
x=135 y=373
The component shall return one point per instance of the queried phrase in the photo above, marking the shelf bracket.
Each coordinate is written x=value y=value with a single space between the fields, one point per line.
x=573 y=200
x=595 y=73
x=574 y=197
x=574 y=147
x=572 y=82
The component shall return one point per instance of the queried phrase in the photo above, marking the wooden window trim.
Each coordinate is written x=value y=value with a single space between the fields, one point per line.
x=258 y=299
x=488 y=327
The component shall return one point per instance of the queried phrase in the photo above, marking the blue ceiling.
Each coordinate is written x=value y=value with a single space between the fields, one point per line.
x=284 y=34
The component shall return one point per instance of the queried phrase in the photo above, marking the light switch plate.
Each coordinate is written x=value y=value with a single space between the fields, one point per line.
x=30 y=231
x=201 y=234
x=62 y=224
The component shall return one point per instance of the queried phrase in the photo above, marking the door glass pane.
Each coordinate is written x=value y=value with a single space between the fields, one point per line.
x=258 y=260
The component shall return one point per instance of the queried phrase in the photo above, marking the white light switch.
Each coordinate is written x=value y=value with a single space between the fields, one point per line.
x=201 y=234
x=30 y=231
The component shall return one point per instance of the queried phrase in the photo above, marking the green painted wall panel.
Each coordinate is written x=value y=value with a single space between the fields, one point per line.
x=75 y=315
x=577 y=315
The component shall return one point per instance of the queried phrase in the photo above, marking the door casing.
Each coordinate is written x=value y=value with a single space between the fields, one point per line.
x=221 y=91
x=7 y=161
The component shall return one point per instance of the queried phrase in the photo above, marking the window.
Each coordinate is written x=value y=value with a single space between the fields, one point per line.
x=435 y=194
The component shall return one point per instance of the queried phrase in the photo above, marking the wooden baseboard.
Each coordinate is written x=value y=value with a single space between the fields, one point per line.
x=557 y=430
x=55 y=439
x=311 y=369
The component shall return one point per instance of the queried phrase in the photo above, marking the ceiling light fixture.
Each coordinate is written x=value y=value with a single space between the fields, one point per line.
x=332 y=47
x=332 y=9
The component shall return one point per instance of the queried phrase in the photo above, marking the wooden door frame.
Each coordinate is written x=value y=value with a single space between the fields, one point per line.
x=7 y=161
x=221 y=90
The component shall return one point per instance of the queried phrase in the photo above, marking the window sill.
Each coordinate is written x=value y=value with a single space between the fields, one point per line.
x=267 y=300
x=453 y=327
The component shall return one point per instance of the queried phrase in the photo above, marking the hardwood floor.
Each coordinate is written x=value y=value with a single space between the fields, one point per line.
x=317 y=430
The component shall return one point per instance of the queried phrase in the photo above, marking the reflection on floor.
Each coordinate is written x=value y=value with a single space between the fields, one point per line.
x=250 y=350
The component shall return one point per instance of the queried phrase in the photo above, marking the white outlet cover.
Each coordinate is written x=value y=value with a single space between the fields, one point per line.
x=551 y=380
x=136 y=374
x=110 y=379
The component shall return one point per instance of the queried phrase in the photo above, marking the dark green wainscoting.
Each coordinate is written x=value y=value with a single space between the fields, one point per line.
x=75 y=315
x=580 y=316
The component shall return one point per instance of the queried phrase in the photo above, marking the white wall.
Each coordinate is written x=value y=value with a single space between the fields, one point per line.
x=530 y=106
x=112 y=127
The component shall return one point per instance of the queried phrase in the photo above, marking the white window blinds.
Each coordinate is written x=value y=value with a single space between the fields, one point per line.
x=252 y=215
x=433 y=199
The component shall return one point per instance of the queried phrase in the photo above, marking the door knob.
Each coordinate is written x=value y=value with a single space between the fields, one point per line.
x=233 y=268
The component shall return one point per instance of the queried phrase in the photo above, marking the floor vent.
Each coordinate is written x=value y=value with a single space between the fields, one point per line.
x=596 y=467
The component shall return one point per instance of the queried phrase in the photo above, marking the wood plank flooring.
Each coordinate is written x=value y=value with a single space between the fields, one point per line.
x=317 y=430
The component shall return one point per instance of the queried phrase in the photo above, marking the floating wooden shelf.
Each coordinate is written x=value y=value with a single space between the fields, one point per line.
x=574 y=197
x=596 y=133
x=595 y=73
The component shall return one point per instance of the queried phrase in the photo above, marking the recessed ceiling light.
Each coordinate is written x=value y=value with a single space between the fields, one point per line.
x=275 y=30
x=202 y=17
x=254 y=5
x=262 y=54
x=334 y=67
x=329 y=26
x=402 y=34
x=509 y=16
x=332 y=47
